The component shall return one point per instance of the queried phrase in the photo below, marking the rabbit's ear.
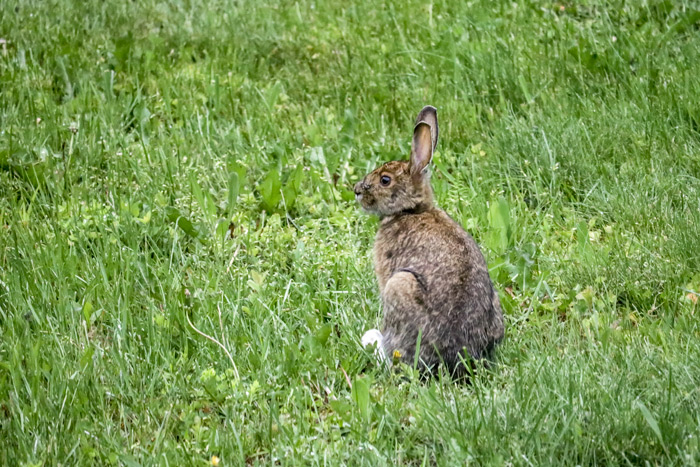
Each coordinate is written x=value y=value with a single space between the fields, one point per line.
x=429 y=116
x=422 y=148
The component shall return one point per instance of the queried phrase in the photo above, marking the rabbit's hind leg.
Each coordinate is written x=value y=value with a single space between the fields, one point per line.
x=405 y=313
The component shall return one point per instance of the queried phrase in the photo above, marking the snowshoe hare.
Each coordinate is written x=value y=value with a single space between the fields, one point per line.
x=433 y=278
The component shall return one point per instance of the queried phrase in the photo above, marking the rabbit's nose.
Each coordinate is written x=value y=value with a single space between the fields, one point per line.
x=358 y=188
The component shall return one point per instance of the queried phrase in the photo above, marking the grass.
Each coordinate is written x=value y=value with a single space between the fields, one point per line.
x=165 y=162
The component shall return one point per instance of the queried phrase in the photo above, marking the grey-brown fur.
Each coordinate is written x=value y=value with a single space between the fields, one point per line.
x=432 y=277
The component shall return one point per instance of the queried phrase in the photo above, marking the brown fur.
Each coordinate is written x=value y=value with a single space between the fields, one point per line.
x=432 y=277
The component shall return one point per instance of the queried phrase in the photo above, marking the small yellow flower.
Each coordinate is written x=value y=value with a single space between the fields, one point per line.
x=397 y=354
x=214 y=461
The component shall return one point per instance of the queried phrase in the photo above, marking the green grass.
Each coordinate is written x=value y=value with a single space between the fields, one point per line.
x=134 y=134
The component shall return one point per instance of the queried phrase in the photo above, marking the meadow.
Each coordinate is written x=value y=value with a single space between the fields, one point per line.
x=185 y=276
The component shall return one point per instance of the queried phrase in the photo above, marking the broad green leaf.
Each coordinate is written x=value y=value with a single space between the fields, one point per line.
x=347 y=195
x=232 y=191
x=270 y=191
x=651 y=421
x=258 y=279
x=293 y=186
x=87 y=311
x=183 y=222
x=203 y=199
x=323 y=334
x=235 y=166
x=194 y=186
x=360 y=395
x=500 y=225
x=342 y=408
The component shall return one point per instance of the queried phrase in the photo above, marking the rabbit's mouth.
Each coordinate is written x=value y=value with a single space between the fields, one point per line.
x=366 y=203
x=365 y=198
x=363 y=201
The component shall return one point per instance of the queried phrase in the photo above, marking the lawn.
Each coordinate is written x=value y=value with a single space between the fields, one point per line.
x=174 y=169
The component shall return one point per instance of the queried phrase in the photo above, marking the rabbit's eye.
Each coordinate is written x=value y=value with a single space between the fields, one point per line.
x=385 y=180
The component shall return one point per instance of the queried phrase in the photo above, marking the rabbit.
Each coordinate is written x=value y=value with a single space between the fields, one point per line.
x=433 y=279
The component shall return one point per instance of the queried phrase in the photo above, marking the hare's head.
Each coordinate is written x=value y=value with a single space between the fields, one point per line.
x=403 y=186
